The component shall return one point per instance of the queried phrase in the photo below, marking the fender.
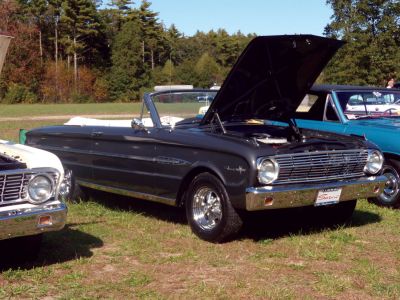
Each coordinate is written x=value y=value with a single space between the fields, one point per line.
x=32 y=157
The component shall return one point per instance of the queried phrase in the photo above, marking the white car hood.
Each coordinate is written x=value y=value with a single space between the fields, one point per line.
x=32 y=157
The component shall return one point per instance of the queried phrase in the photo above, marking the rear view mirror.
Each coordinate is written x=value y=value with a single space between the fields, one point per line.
x=137 y=124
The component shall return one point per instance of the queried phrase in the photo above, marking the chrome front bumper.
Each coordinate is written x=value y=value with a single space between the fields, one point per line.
x=29 y=219
x=297 y=195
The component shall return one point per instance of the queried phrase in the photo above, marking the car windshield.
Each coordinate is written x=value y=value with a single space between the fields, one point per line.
x=176 y=106
x=370 y=103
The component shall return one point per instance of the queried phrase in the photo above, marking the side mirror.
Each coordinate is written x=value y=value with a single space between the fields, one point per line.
x=137 y=124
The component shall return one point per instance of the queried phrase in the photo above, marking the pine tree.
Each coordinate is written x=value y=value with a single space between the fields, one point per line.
x=207 y=71
x=38 y=9
x=121 y=10
x=172 y=36
x=80 y=21
x=371 y=29
x=127 y=73
x=152 y=34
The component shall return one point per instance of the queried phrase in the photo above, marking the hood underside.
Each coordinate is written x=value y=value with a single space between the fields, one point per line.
x=4 y=43
x=8 y=163
x=271 y=77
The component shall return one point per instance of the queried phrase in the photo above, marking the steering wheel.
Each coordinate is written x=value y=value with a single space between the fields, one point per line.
x=389 y=111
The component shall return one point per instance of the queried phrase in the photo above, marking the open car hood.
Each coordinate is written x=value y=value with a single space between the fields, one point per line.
x=271 y=77
x=4 y=43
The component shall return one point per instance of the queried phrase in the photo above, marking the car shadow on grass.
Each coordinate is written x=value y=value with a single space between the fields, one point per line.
x=57 y=247
x=285 y=222
x=259 y=225
x=150 y=209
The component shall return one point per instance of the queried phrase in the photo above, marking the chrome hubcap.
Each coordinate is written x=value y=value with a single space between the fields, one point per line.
x=391 y=186
x=66 y=184
x=207 y=209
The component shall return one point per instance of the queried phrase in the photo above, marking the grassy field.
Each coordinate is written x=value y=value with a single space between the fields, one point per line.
x=116 y=247
x=10 y=130
x=28 y=110
x=60 y=113
x=20 y=110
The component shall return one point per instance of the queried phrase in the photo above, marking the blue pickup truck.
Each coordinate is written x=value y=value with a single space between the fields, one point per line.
x=364 y=111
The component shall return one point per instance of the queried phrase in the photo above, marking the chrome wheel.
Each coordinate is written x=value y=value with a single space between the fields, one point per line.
x=391 y=190
x=66 y=185
x=207 y=209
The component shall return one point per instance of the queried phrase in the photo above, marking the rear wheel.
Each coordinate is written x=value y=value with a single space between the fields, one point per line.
x=70 y=189
x=390 y=197
x=209 y=211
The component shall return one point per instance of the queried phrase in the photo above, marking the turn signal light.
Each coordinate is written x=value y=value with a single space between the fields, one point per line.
x=45 y=221
x=268 y=201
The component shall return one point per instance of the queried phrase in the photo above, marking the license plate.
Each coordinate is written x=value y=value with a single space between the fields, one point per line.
x=328 y=196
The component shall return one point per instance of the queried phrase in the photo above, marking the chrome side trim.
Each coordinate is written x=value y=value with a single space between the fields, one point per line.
x=64 y=149
x=297 y=195
x=98 y=153
x=124 y=192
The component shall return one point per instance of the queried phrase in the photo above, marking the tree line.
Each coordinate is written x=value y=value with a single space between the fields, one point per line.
x=74 y=51
x=371 y=29
x=77 y=51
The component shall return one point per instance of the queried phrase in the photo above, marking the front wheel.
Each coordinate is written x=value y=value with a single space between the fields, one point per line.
x=209 y=211
x=390 y=197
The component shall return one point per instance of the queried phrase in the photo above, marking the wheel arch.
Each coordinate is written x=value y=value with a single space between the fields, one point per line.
x=190 y=176
x=390 y=197
x=390 y=155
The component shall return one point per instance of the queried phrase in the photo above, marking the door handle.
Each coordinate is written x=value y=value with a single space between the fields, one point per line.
x=96 y=133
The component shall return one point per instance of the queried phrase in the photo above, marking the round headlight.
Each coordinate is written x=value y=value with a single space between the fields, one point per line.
x=268 y=170
x=40 y=188
x=374 y=162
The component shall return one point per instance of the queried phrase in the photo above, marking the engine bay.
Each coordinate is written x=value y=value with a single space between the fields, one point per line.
x=286 y=137
x=265 y=134
x=266 y=138
x=9 y=163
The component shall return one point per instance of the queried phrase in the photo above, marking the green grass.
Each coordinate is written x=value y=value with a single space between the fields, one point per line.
x=115 y=247
x=18 y=110
x=29 y=110
x=60 y=113
x=10 y=130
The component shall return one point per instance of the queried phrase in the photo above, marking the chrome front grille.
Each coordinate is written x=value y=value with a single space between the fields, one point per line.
x=321 y=166
x=14 y=185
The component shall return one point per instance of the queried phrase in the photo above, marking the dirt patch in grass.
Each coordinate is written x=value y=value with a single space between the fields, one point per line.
x=119 y=247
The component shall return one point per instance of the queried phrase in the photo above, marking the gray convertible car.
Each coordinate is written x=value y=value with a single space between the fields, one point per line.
x=227 y=160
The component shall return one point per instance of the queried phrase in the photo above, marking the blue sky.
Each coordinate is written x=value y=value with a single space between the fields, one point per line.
x=263 y=17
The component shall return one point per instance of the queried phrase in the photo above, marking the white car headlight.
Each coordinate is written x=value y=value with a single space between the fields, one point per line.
x=40 y=188
x=268 y=170
x=374 y=162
